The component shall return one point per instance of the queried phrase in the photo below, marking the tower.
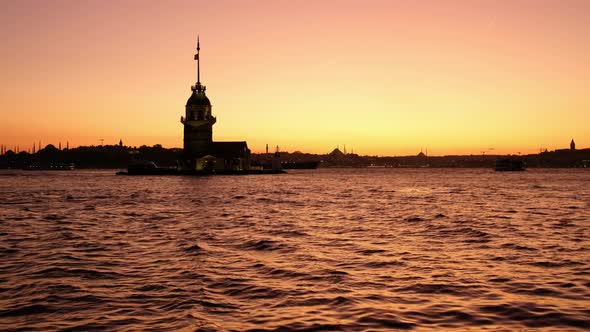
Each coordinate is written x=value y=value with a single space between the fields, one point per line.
x=198 y=121
x=572 y=145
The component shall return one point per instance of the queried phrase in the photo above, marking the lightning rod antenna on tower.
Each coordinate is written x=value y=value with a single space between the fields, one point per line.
x=198 y=61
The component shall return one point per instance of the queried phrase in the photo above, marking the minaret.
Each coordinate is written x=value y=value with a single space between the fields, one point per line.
x=198 y=121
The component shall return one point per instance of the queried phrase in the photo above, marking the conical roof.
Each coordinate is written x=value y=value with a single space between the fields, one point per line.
x=198 y=98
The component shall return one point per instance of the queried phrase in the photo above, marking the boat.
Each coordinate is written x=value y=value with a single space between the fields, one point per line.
x=148 y=168
x=300 y=164
x=50 y=167
x=509 y=165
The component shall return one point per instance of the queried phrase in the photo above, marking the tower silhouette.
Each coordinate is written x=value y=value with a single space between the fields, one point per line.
x=198 y=121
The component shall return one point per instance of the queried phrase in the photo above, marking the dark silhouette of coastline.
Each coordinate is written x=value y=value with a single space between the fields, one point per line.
x=104 y=156
x=119 y=157
x=549 y=159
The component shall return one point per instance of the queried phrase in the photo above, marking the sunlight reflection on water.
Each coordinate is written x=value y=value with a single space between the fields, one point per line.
x=329 y=249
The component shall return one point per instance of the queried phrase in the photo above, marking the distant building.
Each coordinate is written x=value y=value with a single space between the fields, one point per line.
x=336 y=153
x=572 y=145
x=200 y=152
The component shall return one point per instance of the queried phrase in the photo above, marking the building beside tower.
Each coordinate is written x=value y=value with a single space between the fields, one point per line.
x=200 y=151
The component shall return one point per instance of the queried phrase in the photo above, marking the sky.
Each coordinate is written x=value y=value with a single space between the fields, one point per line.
x=381 y=77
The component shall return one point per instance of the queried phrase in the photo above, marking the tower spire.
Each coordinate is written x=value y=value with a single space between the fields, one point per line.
x=198 y=62
x=198 y=87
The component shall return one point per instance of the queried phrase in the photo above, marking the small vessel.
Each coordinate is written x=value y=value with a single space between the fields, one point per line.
x=300 y=164
x=148 y=168
x=509 y=165
x=50 y=167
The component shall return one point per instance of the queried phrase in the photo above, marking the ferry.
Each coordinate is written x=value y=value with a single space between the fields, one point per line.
x=509 y=165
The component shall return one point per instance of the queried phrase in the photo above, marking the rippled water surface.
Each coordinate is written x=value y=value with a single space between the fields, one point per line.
x=321 y=250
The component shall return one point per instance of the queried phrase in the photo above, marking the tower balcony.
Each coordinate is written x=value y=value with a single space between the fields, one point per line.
x=198 y=123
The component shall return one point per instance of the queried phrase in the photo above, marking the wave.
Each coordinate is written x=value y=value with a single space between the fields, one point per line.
x=331 y=250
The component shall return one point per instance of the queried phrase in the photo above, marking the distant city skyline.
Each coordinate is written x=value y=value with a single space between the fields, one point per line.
x=382 y=77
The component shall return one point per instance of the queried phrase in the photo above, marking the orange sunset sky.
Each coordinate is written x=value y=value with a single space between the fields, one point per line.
x=383 y=77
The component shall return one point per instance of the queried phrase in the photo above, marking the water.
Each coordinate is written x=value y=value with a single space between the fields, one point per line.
x=322 y=250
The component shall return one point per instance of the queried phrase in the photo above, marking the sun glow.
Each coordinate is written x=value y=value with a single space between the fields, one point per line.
x=383 y=77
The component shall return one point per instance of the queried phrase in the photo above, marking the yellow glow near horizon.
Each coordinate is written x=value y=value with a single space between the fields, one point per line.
x=382 y=77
